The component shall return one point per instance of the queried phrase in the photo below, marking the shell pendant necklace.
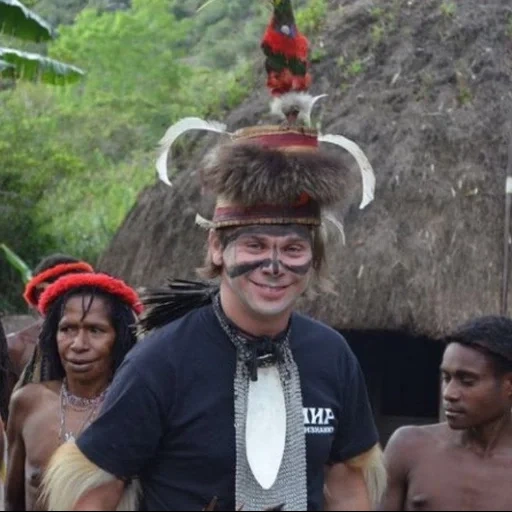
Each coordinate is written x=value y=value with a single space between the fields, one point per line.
x=78 y=404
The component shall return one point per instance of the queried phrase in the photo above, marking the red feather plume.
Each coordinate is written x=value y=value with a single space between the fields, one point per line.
x=286 y=51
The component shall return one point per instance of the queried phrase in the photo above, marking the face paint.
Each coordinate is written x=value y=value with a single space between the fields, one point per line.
x=239 y=270
x=301 y=270
x=275 y=262
x=268 y=267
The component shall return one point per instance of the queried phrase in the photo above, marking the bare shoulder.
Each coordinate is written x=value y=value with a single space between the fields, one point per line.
x=412 y=439
x=31 y=397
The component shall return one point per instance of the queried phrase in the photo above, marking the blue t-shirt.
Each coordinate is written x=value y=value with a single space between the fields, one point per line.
x=168 y=418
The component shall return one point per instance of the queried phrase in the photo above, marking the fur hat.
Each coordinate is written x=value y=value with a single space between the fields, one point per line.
x=276 y=174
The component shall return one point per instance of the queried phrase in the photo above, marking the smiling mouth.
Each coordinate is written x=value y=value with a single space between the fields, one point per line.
x=270 y=286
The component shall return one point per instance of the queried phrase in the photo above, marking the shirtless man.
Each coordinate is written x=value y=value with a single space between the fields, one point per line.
x=466 y=463
x=85 y=336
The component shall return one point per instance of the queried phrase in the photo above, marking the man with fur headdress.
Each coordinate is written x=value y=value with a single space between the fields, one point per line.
x=233 y=394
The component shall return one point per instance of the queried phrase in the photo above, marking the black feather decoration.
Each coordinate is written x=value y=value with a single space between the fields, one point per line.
x=179 y=297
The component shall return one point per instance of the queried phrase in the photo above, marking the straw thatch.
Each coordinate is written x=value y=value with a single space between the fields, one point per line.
x=426 y=92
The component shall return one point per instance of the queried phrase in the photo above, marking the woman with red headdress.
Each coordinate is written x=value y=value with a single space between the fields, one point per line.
x=86 y=333
x=22 y=343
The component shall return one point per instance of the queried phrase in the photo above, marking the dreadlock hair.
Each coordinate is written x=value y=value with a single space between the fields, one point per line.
x=122 y=318
x=5 y=374
x=489 y=335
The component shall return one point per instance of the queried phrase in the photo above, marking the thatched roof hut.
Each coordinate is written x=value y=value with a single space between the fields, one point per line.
x=425 y=89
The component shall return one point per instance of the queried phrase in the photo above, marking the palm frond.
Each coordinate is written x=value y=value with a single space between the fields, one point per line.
x=17 y=263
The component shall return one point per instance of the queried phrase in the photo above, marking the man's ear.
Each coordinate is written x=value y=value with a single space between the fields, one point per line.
x=215 y=247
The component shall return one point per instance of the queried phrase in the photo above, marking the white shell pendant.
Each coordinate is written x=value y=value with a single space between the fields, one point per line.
x=69 y=438
x=265 y=434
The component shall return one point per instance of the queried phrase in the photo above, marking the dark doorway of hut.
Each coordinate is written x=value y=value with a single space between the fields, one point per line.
x=402 y=376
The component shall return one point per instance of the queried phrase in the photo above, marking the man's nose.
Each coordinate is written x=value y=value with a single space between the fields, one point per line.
x=451 y=391
x=274 y=267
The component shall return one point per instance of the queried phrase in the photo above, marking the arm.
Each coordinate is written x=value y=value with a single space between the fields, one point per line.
x=397 y=466
x=345 y=489
x=72 y=482
x=15 y=481
x=115 y=448
x=356 y=477
x=21 y=345
x=105 y=497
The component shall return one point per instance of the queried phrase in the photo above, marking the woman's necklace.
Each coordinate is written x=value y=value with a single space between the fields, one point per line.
x=79 y=404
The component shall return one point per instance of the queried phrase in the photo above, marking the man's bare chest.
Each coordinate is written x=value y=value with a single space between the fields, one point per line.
x=455 y=481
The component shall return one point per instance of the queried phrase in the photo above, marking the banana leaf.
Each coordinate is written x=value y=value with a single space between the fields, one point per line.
x=17 y=263
x=18 y=21
x=5 y=66
x=33 y=67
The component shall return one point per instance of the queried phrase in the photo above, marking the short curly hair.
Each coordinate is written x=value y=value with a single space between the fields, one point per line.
x=489 y=335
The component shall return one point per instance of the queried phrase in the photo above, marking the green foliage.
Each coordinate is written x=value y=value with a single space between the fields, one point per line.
x=355 y=68
x=384 y=21
x=17 y=263
x=311 y=18
x=36 y=68
x=464 y=95
x=64 y=12
x=318 y=53
x=448 y=9
x=377 y=13
x=509 y=26
x=351 y=68
x=18 y=21
x=74 y=160
x=378 y=33
x=5 y=66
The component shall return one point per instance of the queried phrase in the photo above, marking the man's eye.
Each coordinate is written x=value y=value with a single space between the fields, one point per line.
x=468 y=382
x=254 y=245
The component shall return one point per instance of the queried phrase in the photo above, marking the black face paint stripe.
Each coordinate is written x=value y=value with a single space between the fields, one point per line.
x=301 y=270
x=275 y=261
x=239 y=270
